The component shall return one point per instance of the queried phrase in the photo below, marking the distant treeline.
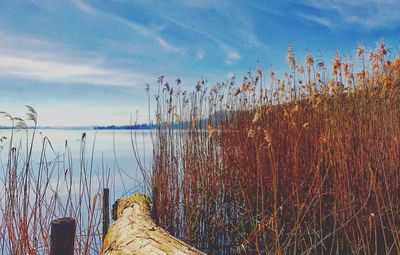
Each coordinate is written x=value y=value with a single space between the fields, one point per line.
x=138 y=126
x=178 y=125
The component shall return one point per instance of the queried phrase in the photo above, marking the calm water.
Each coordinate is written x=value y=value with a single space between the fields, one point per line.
x=112 y=154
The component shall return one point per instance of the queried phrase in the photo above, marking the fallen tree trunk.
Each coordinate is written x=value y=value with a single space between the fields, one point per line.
x=134 y=232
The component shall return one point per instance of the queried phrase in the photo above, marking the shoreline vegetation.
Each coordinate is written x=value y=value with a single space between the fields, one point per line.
x=110 y=127
x=307 y=163
x=35 y=190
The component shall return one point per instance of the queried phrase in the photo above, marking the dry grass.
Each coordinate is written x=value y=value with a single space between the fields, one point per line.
x=35 y=191
x=308 y=164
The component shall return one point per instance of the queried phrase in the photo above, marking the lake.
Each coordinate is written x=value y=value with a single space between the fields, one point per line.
x=67 y=173
x=112 y=152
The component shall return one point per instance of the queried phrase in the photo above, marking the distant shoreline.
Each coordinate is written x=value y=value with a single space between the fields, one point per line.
x=111 y=127
x=127 y=127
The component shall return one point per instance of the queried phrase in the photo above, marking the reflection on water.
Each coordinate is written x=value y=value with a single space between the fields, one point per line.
x=106 y=152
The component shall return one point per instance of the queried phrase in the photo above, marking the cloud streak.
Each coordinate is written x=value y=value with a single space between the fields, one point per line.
x=39 y=60
x=232 y=57
x=84 y=7
x=206 y=32
x=49 y=70
x=366 y=14
x=141 y=29
x=322 y=21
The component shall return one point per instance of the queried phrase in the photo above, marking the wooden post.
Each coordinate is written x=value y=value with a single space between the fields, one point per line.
x=106 y=211
x=62 y=236
x=114 y=210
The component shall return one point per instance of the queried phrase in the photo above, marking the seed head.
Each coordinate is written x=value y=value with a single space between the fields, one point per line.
x=251 y=133
x=360 y=52
x=290 y=57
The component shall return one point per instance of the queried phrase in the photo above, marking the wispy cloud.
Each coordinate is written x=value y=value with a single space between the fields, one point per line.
x=232 y=57
x=244 y=30
x=141 y=29
x=84 y=7
x=43 y=61
x=196 y=30
x=50 y=70
x=166 y=45
x=322 y=21
x=366 y=14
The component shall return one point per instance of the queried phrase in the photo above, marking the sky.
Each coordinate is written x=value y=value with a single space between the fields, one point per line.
x=84 y=63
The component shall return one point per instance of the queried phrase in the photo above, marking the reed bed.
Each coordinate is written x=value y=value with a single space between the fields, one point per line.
x=35 y=190
x=304 y=164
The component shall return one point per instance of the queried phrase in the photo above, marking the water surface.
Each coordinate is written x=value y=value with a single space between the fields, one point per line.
x=105 y=153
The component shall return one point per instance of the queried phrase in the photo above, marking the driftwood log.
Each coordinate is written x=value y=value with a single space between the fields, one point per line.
x=134 y=232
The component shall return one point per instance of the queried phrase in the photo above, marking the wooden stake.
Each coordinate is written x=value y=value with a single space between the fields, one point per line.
x=106 y=211
x=114 y=210
x=62 y=236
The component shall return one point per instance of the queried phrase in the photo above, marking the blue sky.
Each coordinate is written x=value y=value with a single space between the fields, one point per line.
x=87 y=62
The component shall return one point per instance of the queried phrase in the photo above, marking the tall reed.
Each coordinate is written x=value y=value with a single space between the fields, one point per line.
x=38 y=189
x=305 y=164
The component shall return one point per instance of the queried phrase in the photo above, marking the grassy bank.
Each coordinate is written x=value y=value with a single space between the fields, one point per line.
x=303 y=164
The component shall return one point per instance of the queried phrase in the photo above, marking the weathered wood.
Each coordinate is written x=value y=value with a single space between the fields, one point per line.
x=106 y=211
x=134 y=232
x=114 y=210
x=62 y=236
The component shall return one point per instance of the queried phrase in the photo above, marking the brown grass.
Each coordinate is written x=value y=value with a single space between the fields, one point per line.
x=308 y=164
x=35 y=191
